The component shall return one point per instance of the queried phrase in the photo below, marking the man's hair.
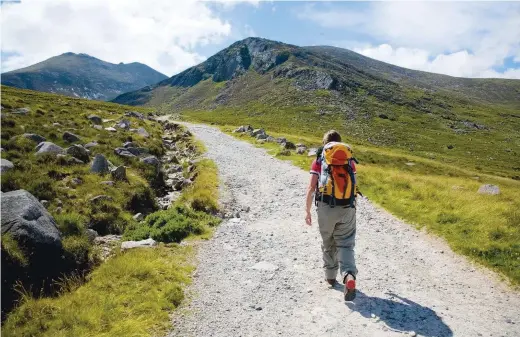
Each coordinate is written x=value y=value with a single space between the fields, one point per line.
x=331 y=136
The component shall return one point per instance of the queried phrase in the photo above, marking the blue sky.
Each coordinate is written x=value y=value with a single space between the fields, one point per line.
x=469 y=39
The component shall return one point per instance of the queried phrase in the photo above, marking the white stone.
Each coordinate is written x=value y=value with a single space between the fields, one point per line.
x=138 y=244
x=263 y=265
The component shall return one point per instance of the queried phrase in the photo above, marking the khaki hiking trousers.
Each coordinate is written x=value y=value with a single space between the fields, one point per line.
x=338 y=231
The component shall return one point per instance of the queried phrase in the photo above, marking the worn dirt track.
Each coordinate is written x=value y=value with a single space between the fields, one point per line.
x=262 y=276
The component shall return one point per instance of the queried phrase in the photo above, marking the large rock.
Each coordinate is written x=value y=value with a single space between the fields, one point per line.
x=142 y=132
x=79 y=152
x=95 y=119
x=257 y=132
x=119 y=173
x=99 y=165
x=134 y=114
x=123 y=124
x=281 y=140
x=6 y=165
x=121 y=151
x=26 y=220
x=34 y=137
x=90 y=144
x=151 y=160
x=261 y=136
x=138 y=244
x=70 y=137
x=48 y=147
x=489 y=189
x=289 y=145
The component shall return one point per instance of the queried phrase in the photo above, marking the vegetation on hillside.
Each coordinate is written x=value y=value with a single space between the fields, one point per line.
x=133 y=292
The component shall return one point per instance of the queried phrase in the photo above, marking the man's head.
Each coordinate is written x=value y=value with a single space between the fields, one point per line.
x=331 y=136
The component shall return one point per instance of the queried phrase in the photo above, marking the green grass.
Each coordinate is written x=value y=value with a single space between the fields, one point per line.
x=202 y=195
x=132 y=294
x=439 y=197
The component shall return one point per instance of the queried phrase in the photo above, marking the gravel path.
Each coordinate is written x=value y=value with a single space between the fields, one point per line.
x=261 y=275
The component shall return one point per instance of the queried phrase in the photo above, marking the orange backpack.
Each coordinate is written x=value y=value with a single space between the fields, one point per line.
x=337 y=184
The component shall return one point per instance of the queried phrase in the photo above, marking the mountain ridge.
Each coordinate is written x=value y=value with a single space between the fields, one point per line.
x=84 y=76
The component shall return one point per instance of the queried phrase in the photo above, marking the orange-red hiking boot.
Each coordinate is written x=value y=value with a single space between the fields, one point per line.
x=350 y=287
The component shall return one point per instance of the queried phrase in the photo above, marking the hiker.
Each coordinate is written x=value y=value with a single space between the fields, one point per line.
x=333 y=185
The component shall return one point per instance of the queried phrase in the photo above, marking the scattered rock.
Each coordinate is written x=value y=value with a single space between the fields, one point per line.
x=58 y=210
x=123 y=124
x=91 y=235
x=312 y=151
x=70 y=137
x=134 y=114
x=45 y=203
x=101 y=197
x=79 y=152
x=48 y=147
x=383 y=116
x=281 y=140
x=289 y=145
x=138 y=244
x=34 y=137
x=21 y=111
x=76 y=181
x=257 y=132
x=56 y=124
x=111 y=129
x=95 y=119
x=97 y=127
x=108 y=183
x=262 y=136
x=121 y=151
x=300 y=150
x=410 y=164
x=450 y=147
x=489 y=189
x=119 y=173
x=138 y=217
x=142 y=132
x=151 y=160
x=91 y=144
x=5 y=165
x=270 y=139
x=129 y=144
x=99 y=165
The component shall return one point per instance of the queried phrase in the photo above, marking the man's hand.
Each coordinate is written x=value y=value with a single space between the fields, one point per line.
x=308 y=219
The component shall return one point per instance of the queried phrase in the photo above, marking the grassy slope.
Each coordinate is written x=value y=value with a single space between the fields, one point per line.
x=442 y=198
x=134 y=292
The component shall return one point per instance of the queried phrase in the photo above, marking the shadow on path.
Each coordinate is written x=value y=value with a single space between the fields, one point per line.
x=400 y=314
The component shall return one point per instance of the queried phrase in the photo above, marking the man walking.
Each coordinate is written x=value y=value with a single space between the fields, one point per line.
x=332 y=183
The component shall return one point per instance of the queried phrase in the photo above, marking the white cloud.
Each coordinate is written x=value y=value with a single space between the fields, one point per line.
x=455 y=38
x=159 y=33
x=460 y=64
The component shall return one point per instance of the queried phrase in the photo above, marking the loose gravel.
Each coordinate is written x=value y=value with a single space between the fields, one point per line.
x=260 y=275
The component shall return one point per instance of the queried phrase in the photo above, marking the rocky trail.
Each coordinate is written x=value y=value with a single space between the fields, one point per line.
x=261 y=273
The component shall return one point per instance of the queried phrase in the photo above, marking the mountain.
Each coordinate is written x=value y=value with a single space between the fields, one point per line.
x=84 y=76
x=288 y=89
x=319 y=67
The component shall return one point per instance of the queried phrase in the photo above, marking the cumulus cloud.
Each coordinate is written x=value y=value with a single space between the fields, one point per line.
x=455 y=38
x=160 y=33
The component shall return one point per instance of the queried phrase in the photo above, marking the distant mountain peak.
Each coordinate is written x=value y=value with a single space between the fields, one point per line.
x=82 y=75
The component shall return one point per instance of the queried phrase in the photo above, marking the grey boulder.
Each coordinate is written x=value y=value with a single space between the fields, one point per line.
x=26 y=220
x=34 y=137
x=99 y=165
x=119 y=173
x=95 y=119
x=151 y=160
x=123 y=124
x=70 y=137
x=48 y=147
x=142 y=132
x=6 y=165
x=134 y=114
x=138 y=244
x=78 y=152
x=489 y=189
